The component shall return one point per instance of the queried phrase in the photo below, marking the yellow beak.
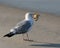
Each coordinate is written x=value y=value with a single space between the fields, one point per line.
x=36 y=16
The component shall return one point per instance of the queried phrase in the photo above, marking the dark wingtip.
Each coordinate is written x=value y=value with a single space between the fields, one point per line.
x=9 y=35
x=4 y=36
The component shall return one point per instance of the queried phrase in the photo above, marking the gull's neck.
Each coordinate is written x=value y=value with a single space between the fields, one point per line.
x=29 y=18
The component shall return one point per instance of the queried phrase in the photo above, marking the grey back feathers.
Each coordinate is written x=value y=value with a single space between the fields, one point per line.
x=21 y=28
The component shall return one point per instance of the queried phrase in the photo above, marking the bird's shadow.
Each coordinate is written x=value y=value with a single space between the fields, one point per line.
x=44 y=44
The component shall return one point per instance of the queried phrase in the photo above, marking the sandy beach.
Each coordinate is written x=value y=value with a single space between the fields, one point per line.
x=45 y=32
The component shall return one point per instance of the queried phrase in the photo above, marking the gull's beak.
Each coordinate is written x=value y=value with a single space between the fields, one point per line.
x=36 y=16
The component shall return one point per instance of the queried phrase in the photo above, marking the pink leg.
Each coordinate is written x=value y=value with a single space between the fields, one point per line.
x=27 y=38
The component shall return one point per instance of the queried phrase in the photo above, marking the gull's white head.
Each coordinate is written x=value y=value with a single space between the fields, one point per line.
x=32 y=16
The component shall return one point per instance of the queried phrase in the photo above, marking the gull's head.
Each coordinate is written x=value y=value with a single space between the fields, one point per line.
x=32 y=15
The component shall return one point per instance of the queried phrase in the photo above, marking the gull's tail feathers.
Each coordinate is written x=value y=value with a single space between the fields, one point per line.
x=9 y=34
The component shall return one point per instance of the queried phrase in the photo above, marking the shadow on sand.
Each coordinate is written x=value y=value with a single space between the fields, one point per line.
x=44 y=44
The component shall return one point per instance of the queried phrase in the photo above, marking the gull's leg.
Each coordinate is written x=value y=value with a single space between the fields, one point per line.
x=23 y=36
x=28 y=38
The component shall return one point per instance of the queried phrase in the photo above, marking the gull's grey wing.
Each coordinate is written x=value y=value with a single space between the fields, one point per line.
x=21 y=23
x=22 y=27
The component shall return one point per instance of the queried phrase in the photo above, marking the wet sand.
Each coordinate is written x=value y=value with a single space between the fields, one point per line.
x=45 y=32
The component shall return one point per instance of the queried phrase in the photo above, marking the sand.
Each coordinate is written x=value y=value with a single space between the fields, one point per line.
x=45 y=32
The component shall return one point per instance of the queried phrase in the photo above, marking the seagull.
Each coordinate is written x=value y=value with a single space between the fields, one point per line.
x=24 y=26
